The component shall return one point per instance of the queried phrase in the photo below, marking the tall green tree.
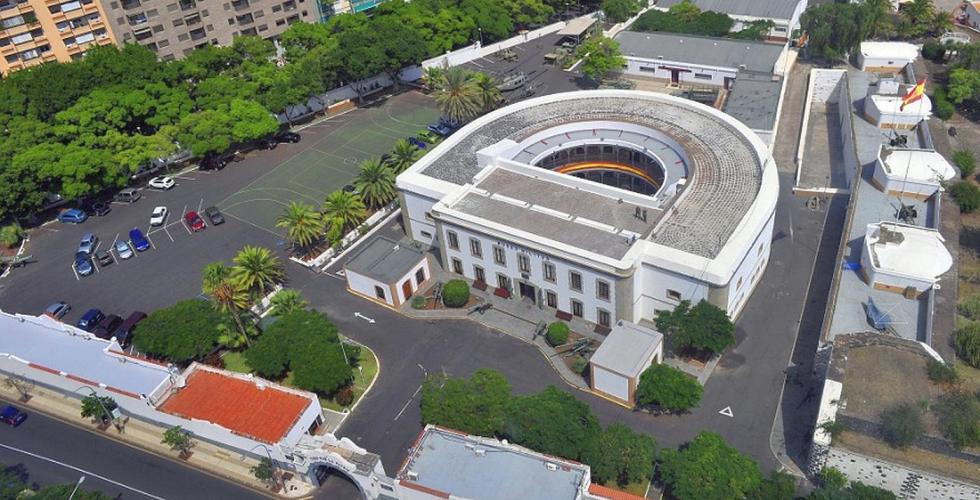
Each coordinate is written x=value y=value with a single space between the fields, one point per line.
x=475 y=406
x=707 y=467
x=600 y=55
x=286 y=301
x=618 y=11
x=213 y=275
x=344 y=207
x=668 y=388
x=705 y=328
x=304 y=225
x=375 y=183
x=553 y=422
x=458 y=96
x=403 y=155
x=183 y=332
x=232 y=300
x=621 y=455
x=256 y=269
x=488 y=92
x=834 y=29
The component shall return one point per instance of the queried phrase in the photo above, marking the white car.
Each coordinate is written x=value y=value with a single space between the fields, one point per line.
x=162 y=182
x=158 y=216
x=123 y=249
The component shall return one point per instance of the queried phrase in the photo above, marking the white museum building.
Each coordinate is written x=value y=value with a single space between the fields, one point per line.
x=602 y=204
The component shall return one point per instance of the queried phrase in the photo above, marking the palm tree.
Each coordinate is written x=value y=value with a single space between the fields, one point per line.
x=212 y=275
x=403 y=155
x=231 y=299
x=489 y=94
x=459 y=97
x=256 y=269
x=877 y=14
x=433 y=77
x=304 y=224
x=376 y=183
x=918 y=16
x=345 y=207
x=942 y=21
x=287 y=301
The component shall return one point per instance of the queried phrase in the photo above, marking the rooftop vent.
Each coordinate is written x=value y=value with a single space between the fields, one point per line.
x=414 y=476
x=552 y=467
x=480 y=452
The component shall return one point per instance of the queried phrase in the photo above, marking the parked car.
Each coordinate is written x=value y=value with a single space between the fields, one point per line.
x=123 y=250
x=158 y=216
x=124 y=335
x=83 y=264
x=58 y=310
x=12 y=416
x=88 y=243
x=194 y=221
x=139 y=242
x=416 y=142
x=72 y=216
x=214 y=215
x=290 y=137
x=349 y=188
x=428 y=136
x=128 y=195
x=99 y=208
x=267 y=143
x=107 y=327
x=163 y=182
x=104 y=258
x=90 y=319
x=213 y=162
x=442 y=128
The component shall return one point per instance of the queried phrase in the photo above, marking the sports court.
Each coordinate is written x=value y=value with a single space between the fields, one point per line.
x=332 y=152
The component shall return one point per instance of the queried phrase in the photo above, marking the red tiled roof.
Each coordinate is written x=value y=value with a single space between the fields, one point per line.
x=238 y=405
x=612 y=494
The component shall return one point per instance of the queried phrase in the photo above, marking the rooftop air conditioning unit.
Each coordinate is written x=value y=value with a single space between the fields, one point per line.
x=552 y=467
x=414 y=476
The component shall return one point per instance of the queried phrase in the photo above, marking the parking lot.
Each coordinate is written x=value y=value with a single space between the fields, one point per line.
x=170 y=269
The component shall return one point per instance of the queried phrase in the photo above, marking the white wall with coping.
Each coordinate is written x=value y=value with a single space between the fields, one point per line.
x=611 y=383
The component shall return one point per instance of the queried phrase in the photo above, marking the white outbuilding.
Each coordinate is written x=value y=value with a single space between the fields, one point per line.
x=886 y=111
x=616 y=366
x=387 y=272
x=886 y=57
x=913 y=172
x=904 y=259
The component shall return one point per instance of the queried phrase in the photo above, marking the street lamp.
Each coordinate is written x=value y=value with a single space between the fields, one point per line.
x=79 y=483
x=106 y=412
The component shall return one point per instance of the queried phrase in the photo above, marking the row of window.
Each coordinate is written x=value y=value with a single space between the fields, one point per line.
x=27 y=55
x=524 y=265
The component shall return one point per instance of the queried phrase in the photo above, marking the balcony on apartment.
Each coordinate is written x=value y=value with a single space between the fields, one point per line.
x=186 y=5
x=13 y=8
x=244 y=19
x=240 y=5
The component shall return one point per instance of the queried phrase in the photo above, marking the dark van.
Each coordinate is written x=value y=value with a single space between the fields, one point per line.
x=107 y=327
x=124 y=334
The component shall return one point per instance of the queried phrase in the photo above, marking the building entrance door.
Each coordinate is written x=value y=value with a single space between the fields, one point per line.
x=528 y=291
x=407 y=288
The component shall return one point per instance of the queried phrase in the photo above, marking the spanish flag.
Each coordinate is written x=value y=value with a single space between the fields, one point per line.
x=914 y=95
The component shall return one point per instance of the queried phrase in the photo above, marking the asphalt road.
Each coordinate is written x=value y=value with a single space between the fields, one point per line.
x=49 y=451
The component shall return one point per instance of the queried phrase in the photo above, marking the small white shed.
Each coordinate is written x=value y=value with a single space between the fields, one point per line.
x=886 y=111
x=387 y=272
x=616 y=366
x=886 y=57
x=904 y=259
x=914 y=172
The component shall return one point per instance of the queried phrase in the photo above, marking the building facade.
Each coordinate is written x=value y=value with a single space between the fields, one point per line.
x=603 y=205
x=174 y=28
x=38 y=31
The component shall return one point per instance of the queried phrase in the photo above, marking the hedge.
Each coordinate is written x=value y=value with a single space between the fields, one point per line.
x=455 y=293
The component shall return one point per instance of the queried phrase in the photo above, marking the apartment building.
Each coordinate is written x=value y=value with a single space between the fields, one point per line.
x=37 y=31
x=174 y=28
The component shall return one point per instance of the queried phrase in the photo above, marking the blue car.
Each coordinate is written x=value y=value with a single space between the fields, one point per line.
x=90 y=320
x=12 y=416
x=72 y=216
x=83 y=264
x=416 y=142
x=140 y=243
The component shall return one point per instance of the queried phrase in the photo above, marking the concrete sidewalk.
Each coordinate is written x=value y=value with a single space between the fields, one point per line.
x=226 y=464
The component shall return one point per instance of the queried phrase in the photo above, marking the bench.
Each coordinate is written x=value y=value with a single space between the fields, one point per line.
x=562 y=315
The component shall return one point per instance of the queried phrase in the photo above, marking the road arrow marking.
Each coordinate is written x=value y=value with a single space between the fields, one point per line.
x=727 y=411
x=365 y=318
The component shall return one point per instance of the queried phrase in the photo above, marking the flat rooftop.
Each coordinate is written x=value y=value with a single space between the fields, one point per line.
x=909 y=250
x=917 y=164
x=256 y=408
x=749 y=55
x=52 y=345
x=627 y=349
x=769 y=9
x=472 y=467
x=753 y=100
x=384 y=260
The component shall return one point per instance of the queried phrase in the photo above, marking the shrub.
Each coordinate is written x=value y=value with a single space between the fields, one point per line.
x=965 y=161
x=345 y=396
x=966 y=342
x=557 y=334
x=944 y=109
x=456 y=293
x=669 y=388
x=970 y=307
x=959 y=418
x=942 y=373
x=580 y=365
x=902 y=425
x=967 y=196
x=11 y=234
x=418 y=302
x=705 y=328
x=933 y=50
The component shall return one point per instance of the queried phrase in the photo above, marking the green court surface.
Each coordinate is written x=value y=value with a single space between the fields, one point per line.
x=334 y=149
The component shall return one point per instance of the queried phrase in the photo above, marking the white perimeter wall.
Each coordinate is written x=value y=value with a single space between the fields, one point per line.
x=588 y=297
x=653 y=68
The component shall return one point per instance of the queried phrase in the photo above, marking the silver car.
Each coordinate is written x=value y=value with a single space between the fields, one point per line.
x=123 y=249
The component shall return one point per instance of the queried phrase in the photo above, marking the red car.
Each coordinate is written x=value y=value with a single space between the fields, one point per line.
x=194 y=221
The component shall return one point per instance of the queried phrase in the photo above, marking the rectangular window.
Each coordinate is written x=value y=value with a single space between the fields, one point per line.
x=457 y=266
x=420 y=276
x=702 y=76
x=503 y=282
x=552 y=299
x=549 y=271
x=577 y=309
x=738 y=285
x=673 y=294
x=602 y=317
x=524 y=263
x=499 y=256
x=475 y=249
x=379 y=292
x=479 y=275
x=648 y=69
x=602 y=289
x=575 y=281
x=425 y=234
x=452 y=241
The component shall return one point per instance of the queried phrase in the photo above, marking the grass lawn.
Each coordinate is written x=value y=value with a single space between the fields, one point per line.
x=638 y=488
x=235 y=361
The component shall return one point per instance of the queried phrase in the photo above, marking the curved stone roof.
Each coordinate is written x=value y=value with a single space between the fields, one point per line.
x=725 y=164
